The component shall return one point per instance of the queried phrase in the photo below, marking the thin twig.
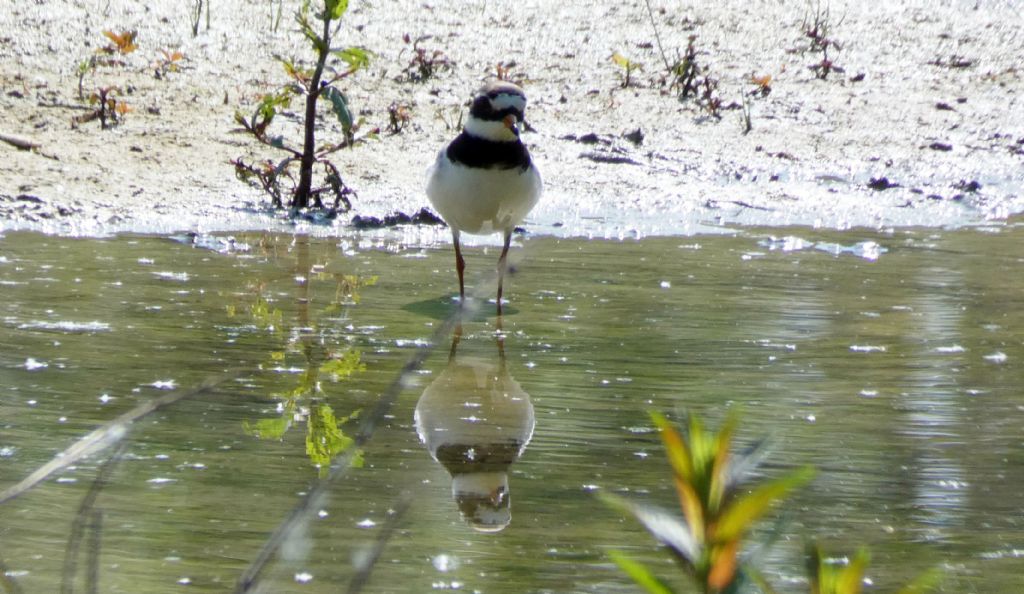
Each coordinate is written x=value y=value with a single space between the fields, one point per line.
x=85 y=513
x=60 y=105
x=92 y=579
x=362 y=576
x=7 y=582
x=108 y=434
x=657 y=36
x=24 y=144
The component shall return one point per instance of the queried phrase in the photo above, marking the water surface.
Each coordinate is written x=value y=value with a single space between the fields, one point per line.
x=891 y=362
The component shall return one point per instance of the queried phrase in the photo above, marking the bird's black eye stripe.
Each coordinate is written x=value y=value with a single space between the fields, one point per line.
x=483 y=110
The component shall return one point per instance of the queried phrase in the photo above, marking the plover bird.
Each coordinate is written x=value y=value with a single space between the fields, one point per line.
x=484 y=181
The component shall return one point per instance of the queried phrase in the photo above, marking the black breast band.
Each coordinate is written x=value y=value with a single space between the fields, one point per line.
x=480 y=153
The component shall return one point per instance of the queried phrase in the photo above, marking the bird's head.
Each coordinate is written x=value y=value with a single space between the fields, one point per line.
x=496 y=112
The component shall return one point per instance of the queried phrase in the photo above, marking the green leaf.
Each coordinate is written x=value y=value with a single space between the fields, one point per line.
x=264 y=317
x=336 y=8
x=268 y=428
x=665 y=527
x=758 y=579
x=324 y=439
x=295 y=71
x=718 y=484
x=926 y=582
x=319 y=46
x=640 y=574
x=343 y=367
x=357 y=58
x=308 y=383
x=340 y=105
x=675 y=447
x=851 y=578
x=621 y=61
x=818 y=574
x=738 y=517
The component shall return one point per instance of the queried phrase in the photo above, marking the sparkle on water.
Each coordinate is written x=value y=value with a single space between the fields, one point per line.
x=890 y=361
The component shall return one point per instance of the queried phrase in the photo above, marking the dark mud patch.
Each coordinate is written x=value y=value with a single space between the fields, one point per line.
x=29 y=207
x=424 y=216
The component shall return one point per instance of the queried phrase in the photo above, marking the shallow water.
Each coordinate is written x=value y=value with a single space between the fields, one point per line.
x=891 y=362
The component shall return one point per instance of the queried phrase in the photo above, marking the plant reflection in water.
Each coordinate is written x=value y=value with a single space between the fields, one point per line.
x=476 y=420
x=313 y=347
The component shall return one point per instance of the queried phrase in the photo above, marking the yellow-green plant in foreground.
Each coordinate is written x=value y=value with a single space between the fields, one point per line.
x=718 y=514
x=826 y=577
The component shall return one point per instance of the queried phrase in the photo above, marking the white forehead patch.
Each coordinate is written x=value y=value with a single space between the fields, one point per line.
x=506 y=100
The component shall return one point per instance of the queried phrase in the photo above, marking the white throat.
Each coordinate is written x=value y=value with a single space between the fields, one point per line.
x=496 y=131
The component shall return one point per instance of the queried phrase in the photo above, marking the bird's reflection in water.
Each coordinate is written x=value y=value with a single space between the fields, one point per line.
x=476 y=420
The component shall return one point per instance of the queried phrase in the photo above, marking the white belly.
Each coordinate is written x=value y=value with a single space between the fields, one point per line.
x=482 y=200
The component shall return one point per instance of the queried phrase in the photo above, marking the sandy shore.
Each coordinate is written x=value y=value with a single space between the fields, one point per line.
x=929 y=98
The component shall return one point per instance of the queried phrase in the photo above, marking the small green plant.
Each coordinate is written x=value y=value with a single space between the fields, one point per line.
x=84 y=68
x=311 y=83
x=817 y=26
x=833 y=576
x=628 y=68
x=685 y=70
x=399 y=116
x=167 y=62
x=686 y=76
x=109 y=108
x=424 y=63
x=709 y=98
x=691 y=79
x=121 y=44
x=746 y=116
x=718 y=514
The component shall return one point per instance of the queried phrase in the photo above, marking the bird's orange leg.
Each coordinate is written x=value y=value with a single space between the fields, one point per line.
x=456 y=337
x=460 y=267
x=502 y=266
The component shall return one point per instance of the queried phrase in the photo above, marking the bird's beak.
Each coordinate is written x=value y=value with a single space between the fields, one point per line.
x=510 y=122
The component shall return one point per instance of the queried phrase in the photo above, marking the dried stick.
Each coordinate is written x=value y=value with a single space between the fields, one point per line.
x=84 y=515
x=362 y=576
x=18 y=142
x=657 y=36
x=107 y=435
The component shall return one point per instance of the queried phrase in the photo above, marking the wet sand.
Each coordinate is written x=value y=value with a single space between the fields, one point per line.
x=922 y=126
